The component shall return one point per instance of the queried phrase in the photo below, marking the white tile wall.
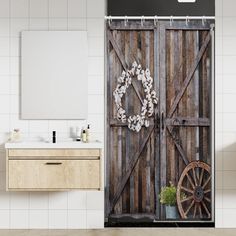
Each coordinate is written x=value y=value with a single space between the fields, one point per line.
x=226 y=113
x=75 y=209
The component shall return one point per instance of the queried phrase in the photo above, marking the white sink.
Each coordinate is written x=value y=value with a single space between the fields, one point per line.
x=45 y=145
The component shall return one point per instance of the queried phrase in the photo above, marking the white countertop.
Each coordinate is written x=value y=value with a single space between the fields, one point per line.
x=45 y=145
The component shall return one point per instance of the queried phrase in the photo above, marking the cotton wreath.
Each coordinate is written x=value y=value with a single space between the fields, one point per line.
x=135 y=122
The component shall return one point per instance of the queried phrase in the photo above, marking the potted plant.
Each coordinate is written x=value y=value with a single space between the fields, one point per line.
x=168 y=198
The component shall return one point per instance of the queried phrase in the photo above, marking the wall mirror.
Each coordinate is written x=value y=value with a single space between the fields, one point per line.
x=54 y=75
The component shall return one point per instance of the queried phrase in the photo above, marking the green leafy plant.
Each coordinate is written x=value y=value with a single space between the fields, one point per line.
x=168 y=195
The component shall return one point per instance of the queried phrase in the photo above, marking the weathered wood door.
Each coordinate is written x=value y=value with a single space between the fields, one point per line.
x=179 y=57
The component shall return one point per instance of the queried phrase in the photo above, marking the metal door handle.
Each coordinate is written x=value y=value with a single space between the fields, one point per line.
x=162 y=120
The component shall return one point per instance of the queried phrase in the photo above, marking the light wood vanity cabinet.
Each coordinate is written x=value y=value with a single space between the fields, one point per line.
x=53 y=169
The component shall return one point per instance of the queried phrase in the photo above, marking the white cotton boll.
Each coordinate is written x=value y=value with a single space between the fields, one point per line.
x=147 y=123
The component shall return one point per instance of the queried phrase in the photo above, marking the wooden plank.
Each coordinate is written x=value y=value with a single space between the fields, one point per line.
x=131 y=25
x=157 y=208
x=186 y=121
x=162 y=105
x=190 y=75
x=131 y=166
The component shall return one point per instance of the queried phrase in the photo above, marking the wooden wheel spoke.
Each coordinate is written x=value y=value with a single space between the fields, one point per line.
x=205 y=184
x=195 y=177
x=191 y=205
x=201 y=177
x=195 y=211
x=207 y=199
x=187 y=199
x=207 y=191
x=190 y=180
x=206 y=209
x=187 y=190
x=200 y=210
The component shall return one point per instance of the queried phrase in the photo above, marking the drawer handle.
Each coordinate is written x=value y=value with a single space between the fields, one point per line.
x=53 y=163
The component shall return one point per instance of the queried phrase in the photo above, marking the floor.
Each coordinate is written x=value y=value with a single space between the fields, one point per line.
x=122 y=232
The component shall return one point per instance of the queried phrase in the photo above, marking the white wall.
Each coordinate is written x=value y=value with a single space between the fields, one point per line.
x=225 y=113
x=49 y=210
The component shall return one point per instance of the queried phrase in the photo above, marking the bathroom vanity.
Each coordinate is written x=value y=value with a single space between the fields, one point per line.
x=41 y=166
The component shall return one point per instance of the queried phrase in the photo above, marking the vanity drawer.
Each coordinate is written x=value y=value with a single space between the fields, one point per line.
x=54 y=174
x=53 y=152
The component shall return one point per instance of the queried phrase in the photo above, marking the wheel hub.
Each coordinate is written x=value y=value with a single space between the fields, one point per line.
x=198 y=194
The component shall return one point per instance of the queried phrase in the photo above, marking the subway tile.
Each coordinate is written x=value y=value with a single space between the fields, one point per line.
x=95 y=8
x=77 y=8
x=4 y=124
x=60 y=126
x=229 y=84
x=219 y=45
x=96 y=66
x=95 y=84
x=95 y=27
x=19 y=200
x=5 y=67
x=14 y=104
x=57 y=8
x=219 y=160
x=58 y=200
x=4 y=104
x=77 y=24
x=14 y=66
x=4 y=8
x=18 y=25
x=38 y=8
x=218 y=7
x=229 y=8
x=229 y=64
x=218 y=26
x=4 y=47
x=58 y=24
x=4 y=27
x=229 y=123
x=219 y=65
x=17 y=123
x=229 y=182
x=15 y=85
x=228 y=26
x=229 y=48
x=96 y=46
x=219 y=199
x=38 y=126
x=38 y=219
x=229 y=199
x=15 y=47
x=229 y=141
x=218 y=218
x=219 y=103
x=19 y=8
x=229 y=161
x=228 y=99
x=95 y=200
x=4 y=219
x=218 y=122
x=96 y=122
x=57 y=219
x=99 y=101
x=95 y=219
x=4 y=200
x=229 y=218
x=4 y=85
x=19 y=219
x=219 y=179
x=38 y=24
x=38 y=200
x=77 y=200
x=76 y=219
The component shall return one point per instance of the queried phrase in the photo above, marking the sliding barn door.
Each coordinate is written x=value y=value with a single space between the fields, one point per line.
x=176 y=147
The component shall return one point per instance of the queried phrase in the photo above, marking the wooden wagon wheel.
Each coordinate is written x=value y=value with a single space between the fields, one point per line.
x=194 y=191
